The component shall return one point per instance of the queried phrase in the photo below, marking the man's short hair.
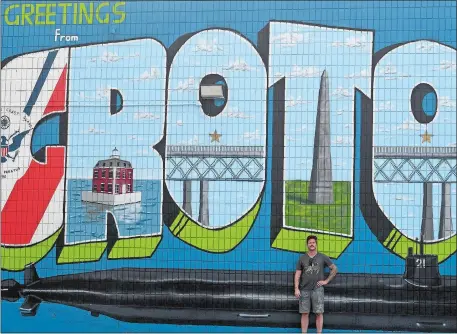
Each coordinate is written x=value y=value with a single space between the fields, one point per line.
x=311 y=237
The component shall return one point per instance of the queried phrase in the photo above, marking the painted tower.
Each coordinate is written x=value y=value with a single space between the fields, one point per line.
x=446 y=228
x=112 y=182
x=320 y=189
x=113 y=175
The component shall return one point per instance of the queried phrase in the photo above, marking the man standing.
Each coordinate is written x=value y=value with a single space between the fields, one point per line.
x=309 y=283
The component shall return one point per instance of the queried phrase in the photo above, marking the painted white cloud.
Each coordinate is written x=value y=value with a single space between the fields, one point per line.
x=292 y=102
x=290 y=39
x=446 y=65
x=186 y=84
x=304 y=72
x=446 y=102
x=238 y=65
x=342 y=140
x=425 y=46
x=100 y=94
x=410 y=125
x=340 y=163
x=342 y=92
x=452 y=145
x=388 y=69
x=153 y=73
x=390 y=72
x=303 y=128
x=103 y=93
x=255 y=135
x=365 y=73
x=382 y=128
x=92 y=130
x=352 y=42
x=190 y=141
x=291 y=139
x=82 y=96
x=235 y=113
x=111 y=57
x=384 y=106
x=208 y=46
x=179 y=122
x=145 y=115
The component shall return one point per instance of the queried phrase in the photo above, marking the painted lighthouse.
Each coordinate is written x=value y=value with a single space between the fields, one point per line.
x=112 y=182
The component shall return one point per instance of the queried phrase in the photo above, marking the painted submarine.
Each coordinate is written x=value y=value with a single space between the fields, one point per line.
x=419 y=300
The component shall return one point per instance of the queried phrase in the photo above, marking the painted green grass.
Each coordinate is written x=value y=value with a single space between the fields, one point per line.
x=334 y=217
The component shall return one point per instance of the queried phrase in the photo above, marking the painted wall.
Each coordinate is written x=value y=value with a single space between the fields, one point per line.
x=336 y=119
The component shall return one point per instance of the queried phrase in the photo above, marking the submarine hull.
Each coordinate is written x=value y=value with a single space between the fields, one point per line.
x=279 y=319
x=248 y=298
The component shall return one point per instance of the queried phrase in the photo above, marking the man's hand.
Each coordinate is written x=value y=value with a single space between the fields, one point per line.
x=322 y=283
x=297 y=293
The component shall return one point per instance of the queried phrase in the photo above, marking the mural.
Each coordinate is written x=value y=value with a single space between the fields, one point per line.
x=170 y=172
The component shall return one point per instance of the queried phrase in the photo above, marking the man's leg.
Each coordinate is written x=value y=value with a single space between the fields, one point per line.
x=304 y=322
x=319 y=322
x=317 y=298
x=304 y=308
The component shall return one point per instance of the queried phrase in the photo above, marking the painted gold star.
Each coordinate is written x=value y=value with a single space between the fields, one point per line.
x=426 y=137
x=215 y=136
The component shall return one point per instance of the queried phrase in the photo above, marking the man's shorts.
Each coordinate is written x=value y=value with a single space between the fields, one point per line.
x=314 y=297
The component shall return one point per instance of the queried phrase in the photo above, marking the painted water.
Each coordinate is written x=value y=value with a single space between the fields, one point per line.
x=87 y=221
x=402 y=203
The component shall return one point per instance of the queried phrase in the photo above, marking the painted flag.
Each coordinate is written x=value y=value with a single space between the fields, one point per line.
x=5 y=151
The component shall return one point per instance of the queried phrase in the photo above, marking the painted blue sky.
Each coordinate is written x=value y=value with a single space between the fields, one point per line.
x=243 y=120
x=301 y=53
x=241 y=123
x=394 y=124
x=298 y=52
x=137 y=70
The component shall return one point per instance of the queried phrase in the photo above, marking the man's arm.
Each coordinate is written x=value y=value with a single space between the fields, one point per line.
x=297 y=282
x=333 y=272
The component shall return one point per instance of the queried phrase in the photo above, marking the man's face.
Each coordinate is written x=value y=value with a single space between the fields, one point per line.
x=312 y=245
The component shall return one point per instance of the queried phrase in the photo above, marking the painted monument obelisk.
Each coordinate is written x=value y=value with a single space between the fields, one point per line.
x=320 y=190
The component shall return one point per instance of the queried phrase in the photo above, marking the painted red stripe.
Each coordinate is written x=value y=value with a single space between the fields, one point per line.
x=30 y=198
x=57 y=100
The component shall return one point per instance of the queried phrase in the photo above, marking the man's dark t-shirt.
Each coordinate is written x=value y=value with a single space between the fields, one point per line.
x=312 y=270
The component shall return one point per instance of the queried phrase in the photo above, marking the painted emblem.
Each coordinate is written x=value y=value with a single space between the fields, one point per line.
x=12 y=144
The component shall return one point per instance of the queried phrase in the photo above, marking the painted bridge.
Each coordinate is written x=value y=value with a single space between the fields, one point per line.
x=426 y=165
x=212 y=163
